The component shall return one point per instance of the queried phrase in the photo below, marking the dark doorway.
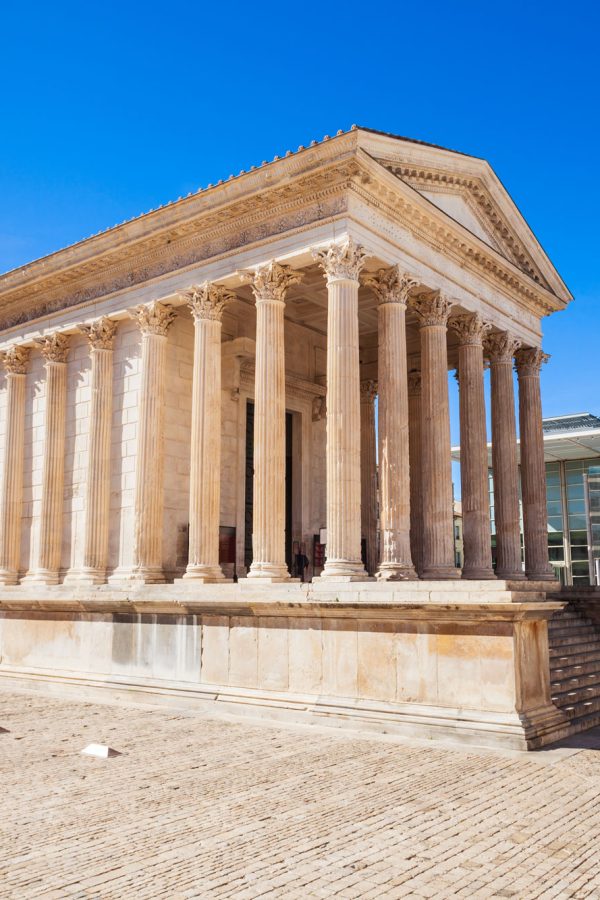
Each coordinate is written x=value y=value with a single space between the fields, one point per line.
x=249 y=486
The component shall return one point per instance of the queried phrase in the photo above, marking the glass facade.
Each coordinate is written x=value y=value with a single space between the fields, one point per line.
x=568 y=541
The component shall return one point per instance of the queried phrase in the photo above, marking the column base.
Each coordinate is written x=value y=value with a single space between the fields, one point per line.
x=203 y=574
x=440 y=573
x=482 y=574
x=139 y=575
x=507 y=575
x=41 y=576
x=344 y=570
x=395 y=572
x=8 y=577
x=269 y=572
x=86 y=575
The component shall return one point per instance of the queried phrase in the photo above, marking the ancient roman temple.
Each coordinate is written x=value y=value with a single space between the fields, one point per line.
x=225 y=450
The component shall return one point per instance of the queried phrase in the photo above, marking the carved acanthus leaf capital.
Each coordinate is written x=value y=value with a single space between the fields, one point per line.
x=414 y=383
x=207 y=301
x=432 y=308
x=501 y=346
x=15 y=360
x=271 y=281
x=153 y=318
x=54 y=347
x=529 y=361
x=343 y=261
x=470 y=328
x=319 y=409
x=100 y=333
x=390 y=285
x=368 y=390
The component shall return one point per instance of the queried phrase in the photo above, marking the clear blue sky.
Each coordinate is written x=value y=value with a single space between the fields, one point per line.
x=111 y=109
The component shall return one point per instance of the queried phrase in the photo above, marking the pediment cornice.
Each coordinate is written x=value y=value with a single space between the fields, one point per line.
x=287 y=196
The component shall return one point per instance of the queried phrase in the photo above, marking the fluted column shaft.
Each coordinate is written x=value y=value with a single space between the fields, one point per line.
x=392 y=288
x=438 y=538
x=154 y=320
x=416 y=485
x=269 y=284
x=11 y=498
x=54 y=349
x=368 y=464
x=342 y=264
x=500 y=349
x=533 y=467
x=207 y=303
x=473 y=448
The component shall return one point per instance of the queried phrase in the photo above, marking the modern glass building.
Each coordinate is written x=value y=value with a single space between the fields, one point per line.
x=572 y=453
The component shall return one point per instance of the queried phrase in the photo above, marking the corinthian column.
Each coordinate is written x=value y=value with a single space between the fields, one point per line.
x=11 y=500
x=416 y=484
x=368 y=469
x=269 y=284
x=471 y=330
x=54 y=349
x=391 y=289
x=342 y=264
x=500 y=349
x=432 y=311
x=154 y=320
x=207 y=303
x=533 y=467
x=100 y=335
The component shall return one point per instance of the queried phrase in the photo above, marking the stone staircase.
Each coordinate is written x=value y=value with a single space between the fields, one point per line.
x=574 y=642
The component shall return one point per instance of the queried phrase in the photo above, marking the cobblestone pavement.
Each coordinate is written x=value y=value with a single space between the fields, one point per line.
x=205 y=807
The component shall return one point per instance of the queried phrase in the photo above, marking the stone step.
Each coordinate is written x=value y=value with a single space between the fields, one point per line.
x=575 y=695
x=574 y=649
x=568 y=682
x=584 y=722
x=564 y=672
x=558 y=635
x=581 y=708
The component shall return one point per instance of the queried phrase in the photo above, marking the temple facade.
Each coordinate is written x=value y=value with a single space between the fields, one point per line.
x=194 y=498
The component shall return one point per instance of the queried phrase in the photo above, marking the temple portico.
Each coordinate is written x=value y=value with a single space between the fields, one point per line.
x=177 y=440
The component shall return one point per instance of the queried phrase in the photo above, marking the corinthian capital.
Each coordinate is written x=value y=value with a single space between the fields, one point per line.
x=529 y=361
x=470 y=328
x=390 y=285
x=153 y=318
x=368 y=390
x=432 y=308
x=54 y=347
x=501 y=347
x=15 y=360
x=343 y=260
x=100 y=333
x=271 y=281
x=414 y=383
x=207 y=301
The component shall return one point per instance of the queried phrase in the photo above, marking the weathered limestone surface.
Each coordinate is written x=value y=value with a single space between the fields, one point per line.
x=342 y=264
x=207 y=304
x=11 y=499
x=391 y=288
x=436 y=469
x=533 y=469
x=415 y=462
x=501 y=348
x=473 y=450
x=54 y=349
x=368 y=467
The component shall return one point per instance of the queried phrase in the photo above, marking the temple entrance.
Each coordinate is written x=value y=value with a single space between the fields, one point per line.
x=249 y=486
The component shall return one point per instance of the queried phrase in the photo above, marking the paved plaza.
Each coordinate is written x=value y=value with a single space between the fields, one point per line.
x=204 y=807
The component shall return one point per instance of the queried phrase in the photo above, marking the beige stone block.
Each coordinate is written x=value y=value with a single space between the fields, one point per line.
x=273 y=653
x=376 y=661
x=305 y=656
x=458 y=670
x=340 y=657
x=215 y=650
x=497 y=671
x=243 y=652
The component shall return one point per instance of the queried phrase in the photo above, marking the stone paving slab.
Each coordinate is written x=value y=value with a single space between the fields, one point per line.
x=208 y=807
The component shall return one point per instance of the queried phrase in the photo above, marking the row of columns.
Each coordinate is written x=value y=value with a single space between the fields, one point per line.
x=414 y=438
